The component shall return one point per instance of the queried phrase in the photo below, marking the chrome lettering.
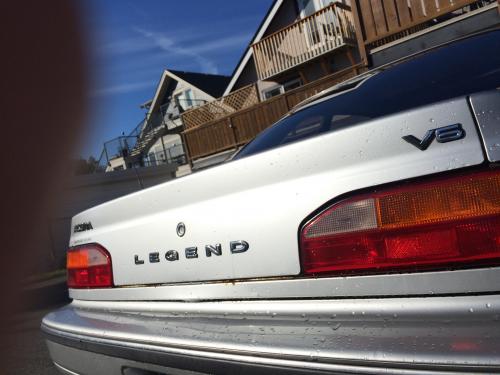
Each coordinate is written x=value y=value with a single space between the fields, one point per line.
x=172 y=255
x=450 y=133
x=191 y=252
x=238 y=246
x=154 y=257
x=442 y=135
x=213 y=249
x=235 y=247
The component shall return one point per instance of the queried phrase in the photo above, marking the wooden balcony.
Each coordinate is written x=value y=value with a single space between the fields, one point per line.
x=239 y=127
x=235 y=119
x=236 y=101
x=379 y=22
x=324 y=31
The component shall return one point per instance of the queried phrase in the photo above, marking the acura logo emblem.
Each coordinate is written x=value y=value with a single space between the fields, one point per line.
x=181 y=229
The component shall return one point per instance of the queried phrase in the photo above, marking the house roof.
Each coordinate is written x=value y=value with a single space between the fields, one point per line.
x=212 y=84
x=271 y=12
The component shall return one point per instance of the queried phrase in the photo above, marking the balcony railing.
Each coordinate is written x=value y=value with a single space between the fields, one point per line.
x=322 y=32
x=239 y=127
x=392 y=20
x=236 y=101
x=171 y=155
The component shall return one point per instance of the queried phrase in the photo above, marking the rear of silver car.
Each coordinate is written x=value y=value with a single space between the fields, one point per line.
x=231 y=269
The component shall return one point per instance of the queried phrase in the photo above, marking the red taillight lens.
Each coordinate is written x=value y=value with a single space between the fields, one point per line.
x=89 y=266
x=428 y=225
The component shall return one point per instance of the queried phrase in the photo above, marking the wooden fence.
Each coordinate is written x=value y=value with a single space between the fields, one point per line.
x=242 y=126
x=243 y=98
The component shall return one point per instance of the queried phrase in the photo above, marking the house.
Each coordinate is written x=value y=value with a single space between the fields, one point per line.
x=301 y=41
x=298 y=41
x=304 y=46
x=300 y=48
x=156 y=140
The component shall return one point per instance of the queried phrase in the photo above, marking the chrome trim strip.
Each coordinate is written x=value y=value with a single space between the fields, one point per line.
x=482 y=280
x=345 y=309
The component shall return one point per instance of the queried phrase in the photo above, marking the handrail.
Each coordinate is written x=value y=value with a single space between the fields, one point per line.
x=322 y=32
x=305 y=19
x=242 y=98
x=241 y=126
x=382 y=23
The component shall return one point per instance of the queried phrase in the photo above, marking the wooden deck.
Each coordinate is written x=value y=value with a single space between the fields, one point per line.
x=379 y=22
x=324 y=31
x=236 y=101
x=236 y=119
x=240 y=127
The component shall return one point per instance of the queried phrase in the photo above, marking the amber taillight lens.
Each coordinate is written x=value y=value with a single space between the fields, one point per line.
x=89 y=266
x=443 y=223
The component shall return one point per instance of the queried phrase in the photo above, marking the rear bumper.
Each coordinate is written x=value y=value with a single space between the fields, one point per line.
x=364 y=336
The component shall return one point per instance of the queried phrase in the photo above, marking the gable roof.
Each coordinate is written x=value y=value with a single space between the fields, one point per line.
x=273 y=9
x=212 y=84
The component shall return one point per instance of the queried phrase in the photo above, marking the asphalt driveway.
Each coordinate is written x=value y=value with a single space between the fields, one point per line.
x=24 y=346
x=22 y=343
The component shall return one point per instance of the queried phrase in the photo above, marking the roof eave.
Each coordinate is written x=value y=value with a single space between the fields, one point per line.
x=249 y=51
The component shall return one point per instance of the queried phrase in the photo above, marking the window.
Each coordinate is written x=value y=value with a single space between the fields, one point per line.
x=293 y=84
x=189 y=98
x=184 y=100
x=325 y=3
x=308 y=7
x=322 y=27
x=280 y=89
x=444 y=73
x=273 y=92
x=151 y=159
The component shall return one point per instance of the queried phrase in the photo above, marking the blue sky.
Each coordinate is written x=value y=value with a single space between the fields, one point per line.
x=131 y=42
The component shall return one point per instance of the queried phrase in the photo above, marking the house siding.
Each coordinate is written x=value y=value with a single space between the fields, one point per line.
x=197 y=94
x=286 y=15
x=169 y=141
x=247 y=76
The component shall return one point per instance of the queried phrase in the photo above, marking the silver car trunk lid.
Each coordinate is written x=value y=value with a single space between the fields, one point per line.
x=241 y=219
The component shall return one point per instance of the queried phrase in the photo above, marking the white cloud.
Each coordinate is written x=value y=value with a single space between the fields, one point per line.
x=149 y=48
x=125 y=46
x=123 y=88
x=169 y=44
x=131 y=44
x=222 y=43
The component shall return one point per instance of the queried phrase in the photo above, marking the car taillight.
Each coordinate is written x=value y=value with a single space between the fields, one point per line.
x=89 y=266
x=439 y=224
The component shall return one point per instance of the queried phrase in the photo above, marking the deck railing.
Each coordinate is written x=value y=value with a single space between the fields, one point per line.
x=237 y=100
x=324 y=31
x=242 y=126
x=382 y=21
